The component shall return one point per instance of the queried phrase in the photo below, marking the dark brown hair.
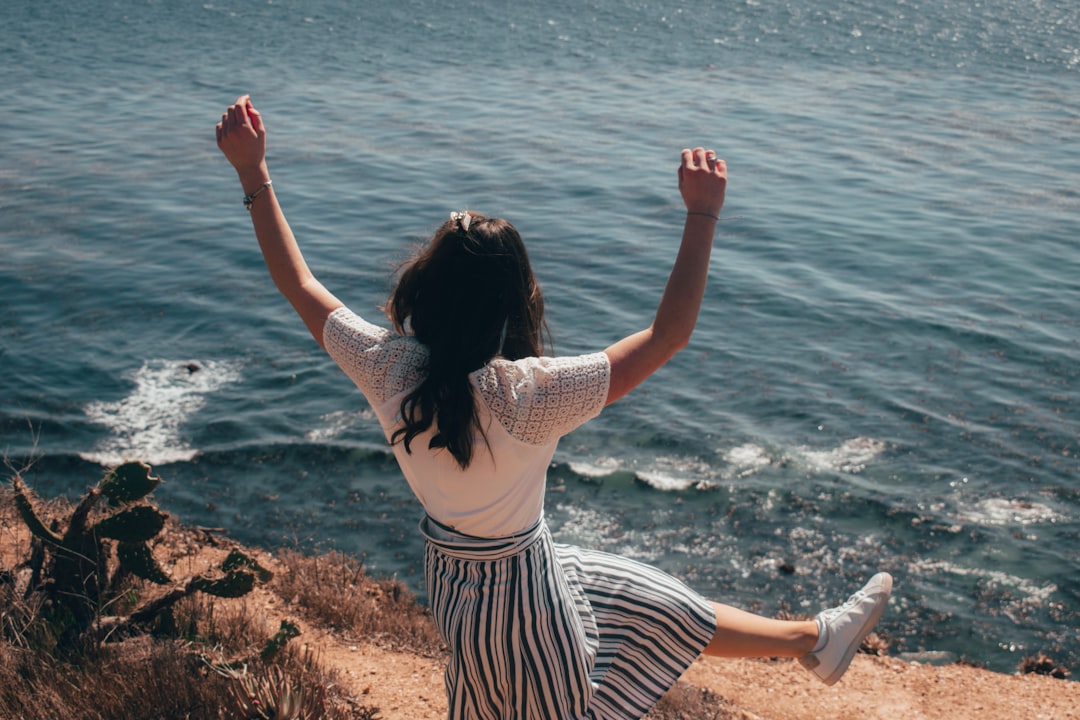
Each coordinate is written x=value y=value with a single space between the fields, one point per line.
x=469 y=295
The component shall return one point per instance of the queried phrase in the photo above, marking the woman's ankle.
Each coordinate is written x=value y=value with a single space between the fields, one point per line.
x=811 y=639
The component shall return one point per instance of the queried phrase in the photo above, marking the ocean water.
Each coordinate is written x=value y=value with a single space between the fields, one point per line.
x=885 y=372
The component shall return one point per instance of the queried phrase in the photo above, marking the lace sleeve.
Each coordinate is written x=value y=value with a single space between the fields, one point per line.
x=541 y=399
x=381 y=363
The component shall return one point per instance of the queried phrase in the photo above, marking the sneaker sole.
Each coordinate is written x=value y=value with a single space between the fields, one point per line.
x=871 y=621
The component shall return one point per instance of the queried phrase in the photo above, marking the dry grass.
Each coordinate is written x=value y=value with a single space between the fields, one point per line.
x=335 y=592
x=686 y=702
x=138 y=678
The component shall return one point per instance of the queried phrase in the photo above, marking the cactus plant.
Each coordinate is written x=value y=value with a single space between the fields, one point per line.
x=76 y=574
x=74 y=571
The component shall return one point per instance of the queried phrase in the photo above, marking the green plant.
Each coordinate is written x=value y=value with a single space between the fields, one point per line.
x=276 y=644
x=270 y=694
x=292 y=689
x=72 y=567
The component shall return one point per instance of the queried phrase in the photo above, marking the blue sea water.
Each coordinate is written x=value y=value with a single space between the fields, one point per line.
x=885 y=372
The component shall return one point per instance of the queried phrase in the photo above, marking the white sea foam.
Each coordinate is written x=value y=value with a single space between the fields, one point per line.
x=851 y=456
x=335 y=424
x=146 y=425
x=1009 y=511
x=597 y=468
x=665 y=482
x=746 y=460
x=672 y=474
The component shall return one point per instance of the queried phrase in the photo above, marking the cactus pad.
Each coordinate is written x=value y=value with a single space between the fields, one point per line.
x=276 y=644
x=26 y=512
x=137 y=524
x=237 y=559
x=137 y=559
x=128 y=482
x=236 y=584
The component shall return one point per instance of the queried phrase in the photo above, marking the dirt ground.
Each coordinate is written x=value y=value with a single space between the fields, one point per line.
x=406 y=687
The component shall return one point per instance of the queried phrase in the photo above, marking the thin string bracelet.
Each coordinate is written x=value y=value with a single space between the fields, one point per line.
x=249 y=199
x=714 y=217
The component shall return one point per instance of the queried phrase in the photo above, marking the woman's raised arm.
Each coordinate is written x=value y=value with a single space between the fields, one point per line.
x=241 y=136
x=702 y=183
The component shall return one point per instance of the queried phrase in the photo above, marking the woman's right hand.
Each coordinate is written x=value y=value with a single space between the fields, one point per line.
x=242 y=137
x=702 y=181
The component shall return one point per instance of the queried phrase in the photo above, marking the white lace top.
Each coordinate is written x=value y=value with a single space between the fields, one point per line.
x=524 y=406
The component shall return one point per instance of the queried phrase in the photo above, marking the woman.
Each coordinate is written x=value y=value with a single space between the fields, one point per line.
x=473 y=413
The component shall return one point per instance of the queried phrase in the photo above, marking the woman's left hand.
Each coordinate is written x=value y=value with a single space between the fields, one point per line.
x=242 y=137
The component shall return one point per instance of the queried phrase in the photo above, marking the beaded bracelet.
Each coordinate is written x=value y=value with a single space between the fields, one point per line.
x=250 y=198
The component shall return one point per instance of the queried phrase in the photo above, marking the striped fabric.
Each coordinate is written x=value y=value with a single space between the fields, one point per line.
x=541 y=630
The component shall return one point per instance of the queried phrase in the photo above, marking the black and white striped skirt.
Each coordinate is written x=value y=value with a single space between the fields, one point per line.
x=542 y=630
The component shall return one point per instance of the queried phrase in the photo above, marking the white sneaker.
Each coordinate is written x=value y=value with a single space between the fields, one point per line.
x=843 y=629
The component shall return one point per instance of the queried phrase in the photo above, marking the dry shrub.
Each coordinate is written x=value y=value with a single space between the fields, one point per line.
x=20 y=623
x=874 y=644
x=138 y=678
x=335 y=591
x=231 y=627
x=1043 y=664
x=686 y=702
x=155 y=680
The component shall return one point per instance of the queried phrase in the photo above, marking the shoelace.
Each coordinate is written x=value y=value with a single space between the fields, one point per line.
x=851 y=602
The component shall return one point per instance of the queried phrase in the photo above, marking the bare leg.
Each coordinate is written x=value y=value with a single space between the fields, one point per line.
x=743 y=634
